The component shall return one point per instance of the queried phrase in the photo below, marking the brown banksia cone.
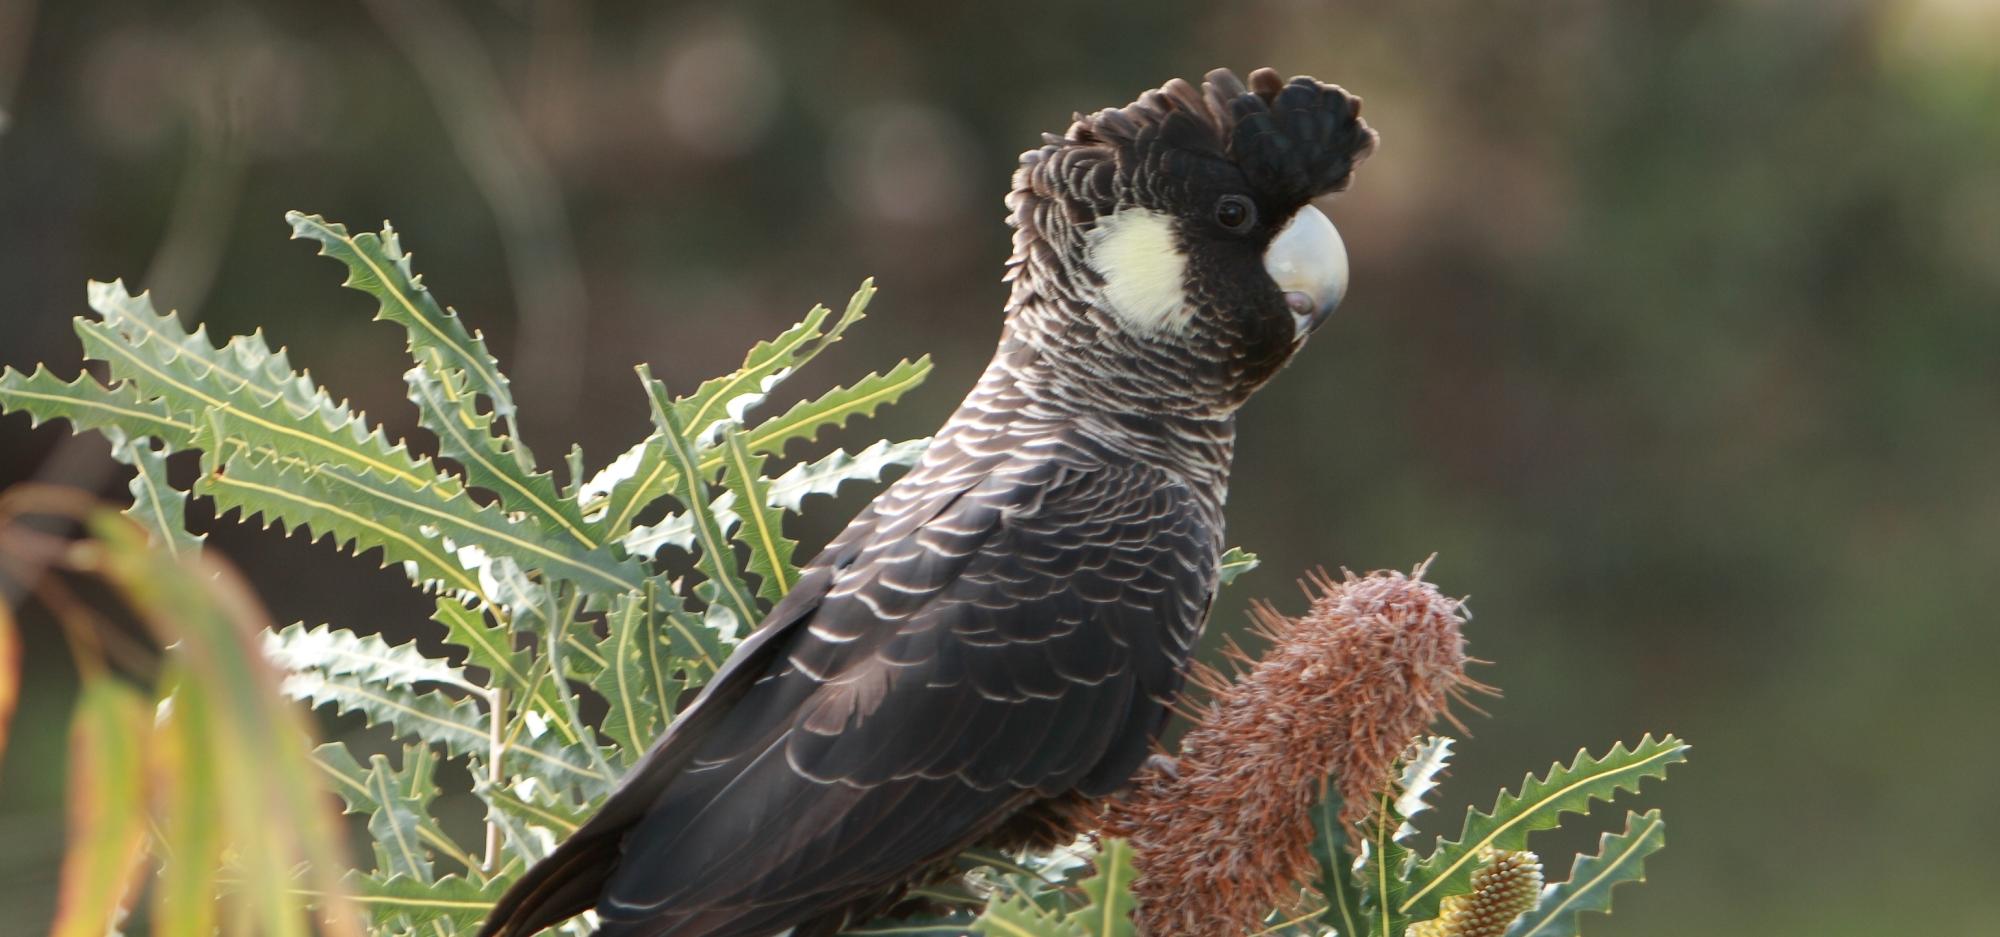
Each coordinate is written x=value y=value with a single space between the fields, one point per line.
x=1503 y=889
x=1224 y=833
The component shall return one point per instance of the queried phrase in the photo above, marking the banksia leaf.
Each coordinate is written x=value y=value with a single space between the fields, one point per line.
x=1343 y=689
x=366 y=675
x=269 y=407
x=1503 y=888
x=400 y=904
x=491 y=648
x=787 y=492
x=531 y=816
x=1235 y=563
x=730 y=396
x=762 y=531
x=714 y=555
x=1538 y=805
x=402 y=801
x=347 y=778
x=1017 y=916
x=1336 y=882
x=1621 y=857
x=834 y=408
x=157 y=506
x=429 y=527
x=644 y=475
x=89 y=405
x=1108 y=912
x=377 y=266
x=638 y=679
x=491 y=459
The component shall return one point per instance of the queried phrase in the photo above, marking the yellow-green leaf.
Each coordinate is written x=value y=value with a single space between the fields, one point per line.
x=107 y=806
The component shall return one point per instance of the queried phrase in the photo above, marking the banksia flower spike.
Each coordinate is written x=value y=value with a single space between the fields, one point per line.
x=1503 y=889
x=1224 y=833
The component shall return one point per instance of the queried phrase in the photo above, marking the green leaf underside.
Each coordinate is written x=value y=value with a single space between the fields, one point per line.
x=1621 y=857
x=366 y=675
x=1538 y=805
x=787 y=492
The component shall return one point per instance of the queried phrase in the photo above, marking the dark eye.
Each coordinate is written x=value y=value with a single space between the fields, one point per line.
x=1235 y=213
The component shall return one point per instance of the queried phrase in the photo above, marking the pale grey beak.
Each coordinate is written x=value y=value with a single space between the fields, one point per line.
x=1309 y=263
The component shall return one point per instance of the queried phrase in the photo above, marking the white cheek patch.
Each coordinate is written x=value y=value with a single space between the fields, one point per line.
x=1135 y=252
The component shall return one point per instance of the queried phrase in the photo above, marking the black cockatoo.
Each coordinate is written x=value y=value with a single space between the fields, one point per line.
x=993 y=643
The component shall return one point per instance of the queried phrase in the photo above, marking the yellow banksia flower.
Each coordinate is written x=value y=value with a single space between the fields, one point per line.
x=1503 y=889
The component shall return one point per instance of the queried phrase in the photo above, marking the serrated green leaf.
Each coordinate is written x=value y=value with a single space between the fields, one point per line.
x=157 y=505
x=646 y=474
x=513 y=671
x=350 y=781
x=89 y=405
x=490 y=458
x=728 y=397
x=275 y=409
x=366 y=658
x=1016 y=916
x=531 y=817
x=1108 y=912
x=402 y=806
x=1621 y=857
x=299 y=499
x=787 y=492
x=806 y=418
x=400 y=902
x=458 y=725
x=1539 y=805
x=638 y=681
x=713 y=557
x=438 y=528
x=1235 y=563
x=377 y=266
x=763 y=528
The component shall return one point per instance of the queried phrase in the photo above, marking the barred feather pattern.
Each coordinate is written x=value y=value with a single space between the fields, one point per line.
x=1224 y=833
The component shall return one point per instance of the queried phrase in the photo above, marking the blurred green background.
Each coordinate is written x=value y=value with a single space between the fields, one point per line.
x=1675 y=331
